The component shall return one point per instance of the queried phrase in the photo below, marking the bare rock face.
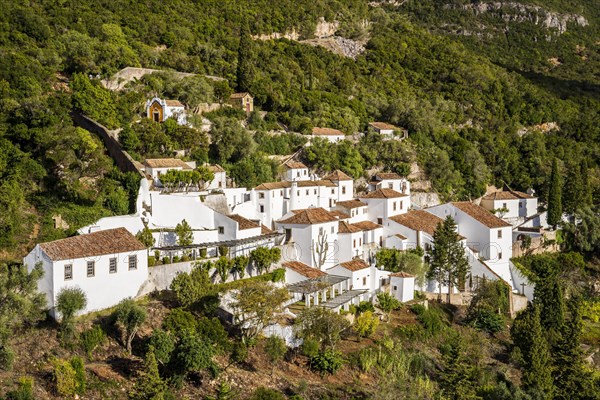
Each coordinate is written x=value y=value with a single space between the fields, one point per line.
x=516 y=12
x=326 y=29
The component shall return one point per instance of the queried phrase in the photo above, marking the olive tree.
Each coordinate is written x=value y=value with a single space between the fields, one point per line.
x=129 y=316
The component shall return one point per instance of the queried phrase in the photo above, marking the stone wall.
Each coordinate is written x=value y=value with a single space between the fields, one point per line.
x=161 y=276
x=122 y=159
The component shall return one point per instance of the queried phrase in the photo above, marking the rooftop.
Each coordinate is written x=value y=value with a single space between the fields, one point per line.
x=239 y=95
x=173 y=103
x=166 y=163
x=293 y=164
x=480 y=214
x=385 y=175
x=303 y=269
x=243 y=223
x=383 y=194
x=354 y=265
x=401 y=274
x=309 y=216
x=366 y=225
x=383 y=125
x=215 y=168
x=349 y=204
x=339 y=214
x=110 y=241
x=326 y=132
x=316 y=284
x=337 y=176
x=418 y=220
x=343 y=298
x=345 y=227
x=507 y=195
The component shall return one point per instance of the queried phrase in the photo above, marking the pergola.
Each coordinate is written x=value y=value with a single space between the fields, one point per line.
x=312 y=288
x=344 y=298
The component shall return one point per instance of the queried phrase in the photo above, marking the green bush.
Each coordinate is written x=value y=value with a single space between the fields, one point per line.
x=223 y=251
x=239 y=352
x=432 y=320
x=179 y=320
x=367 y=358
x=175 y=259
x=151 y=261
x=7 y=356
x=166 y=260
x=263 y=393
x=203 y=253
x=418 y=309
x=327 y=362
x=212 y=329
x=69 y=376
x=24 y=390
x=278 y=275
x=310 y=347
x=410 y=332
x=92 y=338
x=486 y=320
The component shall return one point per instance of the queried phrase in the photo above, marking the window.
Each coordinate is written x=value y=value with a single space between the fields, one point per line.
x=68 y=272
x=304 y=172
x=343 y=189
x=320 y=230
x=112 y=265
x=281 y=193
x=221 y=230
x=360 y=241
x=298 y=192
x=332 y=229
x=261 y=195
x=520 y=205
x=262 y=208
x=298 y=174
x=307 y=192
x=499 y=233
x=395 y=205
x=272 y=194
x=401 y=205
x=390 y=185
x=132 y=262
x=499 y=255
x=352 y=213
x=91 y=268
x=315 y=191
x=380 y=221
x=354 y=243
x=332 y=191
x=365 y=280
x=395 y=288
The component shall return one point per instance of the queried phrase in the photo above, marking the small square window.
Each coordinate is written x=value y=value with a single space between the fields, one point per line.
x=68 y=272
x=307 y=192
x=298 y=192
x=395 y=288
x=132 y=262
x=504 y=205
x=343 y=189
x=332 y=191
x=91 y=268
x=315 y=191
x=112 y=265
x=390 y=185
x=365 y=280
x=261 y=195
x=221 y=230
x=500 y=234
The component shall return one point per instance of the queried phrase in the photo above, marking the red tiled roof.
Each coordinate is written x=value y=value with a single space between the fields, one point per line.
x=349 y=204
x=383 y=194
x=345 y=227
x=166 y=163
x=366 y=225
x=480 y=214
x=326 y=132
x=243 y=223
x=264 y=230
x=402 y=274
x=309 y=216
x=418 y=220
x=322 y=182
x=507 y=195
x=339 y=214
x=401 y=237
x=239 y=95
x=383 y=125
x=273 y=185
x=354 y=265
x=385 y=175
x=337 y=176
x=215 y=168
x=110 y=241
x=303 y=269
x=293 y=164
x=173 y=103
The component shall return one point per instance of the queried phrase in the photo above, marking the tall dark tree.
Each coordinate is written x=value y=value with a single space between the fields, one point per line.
x=554 y=196
x=586 y=194
x=549 y=296
x=572 y=199
x=448 y=263
x=244 y=61
x=528 y=336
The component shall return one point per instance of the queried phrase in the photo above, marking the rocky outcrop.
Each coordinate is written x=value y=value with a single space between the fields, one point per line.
x=516 y=12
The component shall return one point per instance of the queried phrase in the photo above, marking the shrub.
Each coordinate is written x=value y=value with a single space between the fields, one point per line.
x=68 y=302
x=163 y=344
x=80 y=380
x=7 y=356
x=432 y=321
x=175 y=259
x=410 y=332
x=239 y=352
x=92 y=338
x=486 y=320
x=166 y=260
x=365 y=324
x=367 y=358
x=278 y=275
x=275 y=348
x=129 y=317
x=328 y=361
x=151 y=261
x=263 y=393
x=203 y=253
x=24 y=390
x=223 y=251
x=212 y=329
x=179 y=320
x=69 y=376
x=310 y=347
x=418 y=309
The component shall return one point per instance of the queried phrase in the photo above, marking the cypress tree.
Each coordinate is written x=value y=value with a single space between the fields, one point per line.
x=586 y=194
x=572 y=198
x=554 y=196
x=244 y=62
x=149 y=385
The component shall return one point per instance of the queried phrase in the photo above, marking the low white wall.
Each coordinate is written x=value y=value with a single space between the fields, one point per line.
x=161 y=276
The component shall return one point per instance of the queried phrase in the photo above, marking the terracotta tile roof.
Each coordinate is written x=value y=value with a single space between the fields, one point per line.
x=166 y=163
x=273 y=185
x=110 y=241
x=354 y=265
x=383 y=194
x=326 y=132
x=293 y=164
x=383 y=125
x=264 y=230
x=401 y=237
x=239 y=95
x=339 y=214
x=337 y=176
x=418 y=220
x=345 y=227
x=215 y=168
x=366 y=225
x=507 y=195
x=480 y=214
x=309 y=216
x=173 y=103
x=322 y=182
x=349 y=204
x=402 y=274
x=243 y=223
x=385 y=175
x=303 y=269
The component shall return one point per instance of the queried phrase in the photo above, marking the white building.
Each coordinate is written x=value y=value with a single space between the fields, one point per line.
x=155 y=167
x=108 y=266
x=311 y=237
x=329 y=134
x=389 y=130
x=384 y=204
x=220 y=179
x=160 y=110
x=402 y=286
x=389 y=180
x=295 y=171
x=296 y=271
x=355 y=209
x=411 y=230
x=511 y=205
x=489 y=237
x=344 y=183
x=362 y=275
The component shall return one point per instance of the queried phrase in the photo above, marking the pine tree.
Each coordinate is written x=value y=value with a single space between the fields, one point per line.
x=527 y=335
x=458 y=375
x=571 y=378
x=549 y=297
x=447 y=258
x=149 y=385
x=244 y=61
x=554 y=196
